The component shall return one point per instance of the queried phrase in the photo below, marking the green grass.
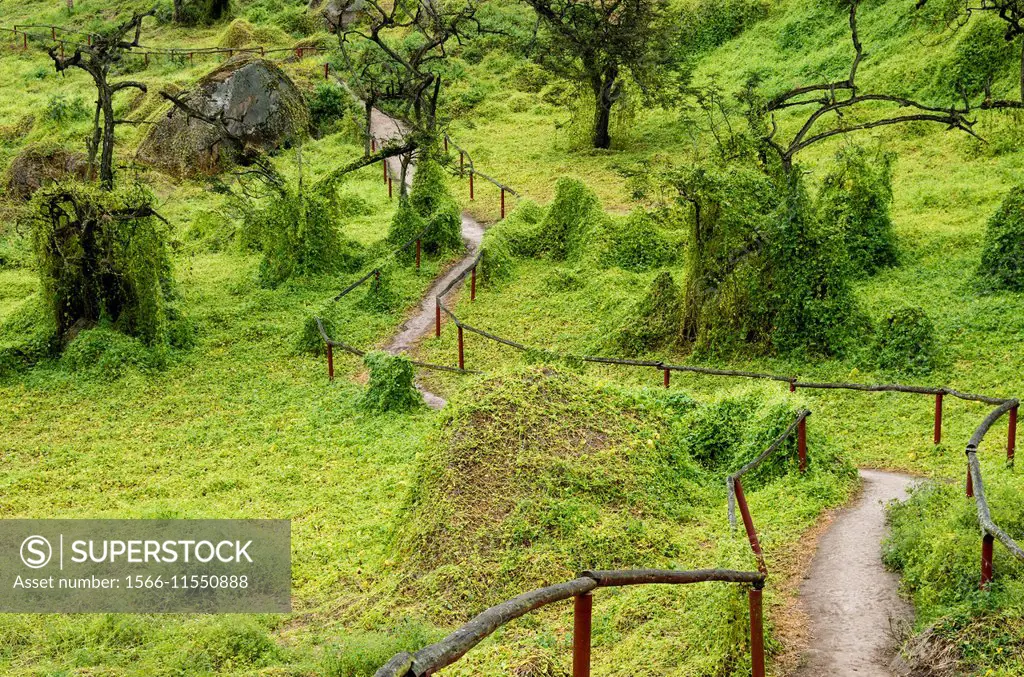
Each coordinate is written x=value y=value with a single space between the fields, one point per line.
x=244 y=425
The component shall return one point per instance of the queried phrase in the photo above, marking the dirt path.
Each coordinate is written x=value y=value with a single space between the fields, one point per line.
x=421 y=322
x=849 y=597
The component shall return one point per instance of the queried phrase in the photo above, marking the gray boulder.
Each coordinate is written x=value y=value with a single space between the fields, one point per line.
x=262 y=109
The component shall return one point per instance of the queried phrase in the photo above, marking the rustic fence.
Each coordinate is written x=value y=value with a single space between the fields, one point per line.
x=434 y=657
x=49 y=35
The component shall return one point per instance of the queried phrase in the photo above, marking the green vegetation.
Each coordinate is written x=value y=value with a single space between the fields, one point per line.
x=391 y=384
x=211 y=399
x=1002 y=259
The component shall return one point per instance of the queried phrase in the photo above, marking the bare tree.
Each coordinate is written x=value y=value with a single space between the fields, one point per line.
x=834 y=100
x=96 y=59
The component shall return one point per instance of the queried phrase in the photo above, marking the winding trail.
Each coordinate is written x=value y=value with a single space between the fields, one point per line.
x=850 y=598
x=420 y=323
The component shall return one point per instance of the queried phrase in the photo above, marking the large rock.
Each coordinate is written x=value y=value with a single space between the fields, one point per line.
x=338 y=14
x=259 y=103
x=38 y=165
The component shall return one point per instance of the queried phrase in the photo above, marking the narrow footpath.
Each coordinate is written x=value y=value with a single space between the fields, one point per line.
x=850 y=598
x=421 y=322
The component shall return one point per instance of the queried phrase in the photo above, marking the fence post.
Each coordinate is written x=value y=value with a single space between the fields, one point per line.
x=583 y=611
x=437 y=317
x=385 y=165
x=1011 y=437
x=462 y=163
x=667 y=377
x=389 y=187
x=470 y=183
x=462 y=354
x=756 y=631
x=472 y=284
x=748 y=521
x=503 y=203
x=373 y=144
x=327 y=71
x=417 y=254
x=445 y=144
x=792 y=386
x=330 y=362
x=970 y=480
x=986 y=560
x=938 y=418
x=24 y=40
x=801 y=443
x=53 y=33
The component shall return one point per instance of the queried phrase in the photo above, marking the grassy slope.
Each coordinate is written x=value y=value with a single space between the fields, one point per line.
x=258 y=425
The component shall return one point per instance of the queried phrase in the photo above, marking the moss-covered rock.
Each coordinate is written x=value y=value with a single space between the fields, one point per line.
x=41 y=164
x=260 y=104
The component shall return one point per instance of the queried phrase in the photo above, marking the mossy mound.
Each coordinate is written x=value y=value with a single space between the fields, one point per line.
x=262 y=106
x=654 y=322
x=537 y=474
x=39 y=165
x=1002 y=256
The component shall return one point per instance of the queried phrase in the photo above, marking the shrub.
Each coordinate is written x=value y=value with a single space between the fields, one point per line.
x=812 y=306
x=391 y=385
x=711 y=23
x=496 y=263
x=431 y=204
x=855 y=197
x=405 y=224
x=569 y=221
x=906 y=342
x=309 y=339
x=380 y=295
x=110 y=353
x=197 y=12
x=654 y=322
x=299 y=236
x=328 y=104
x=61 y=110
x=1002 y=255
x=239 y=33
x=519 y=228
x=634 y=243
x=298 y=22
x=27 y=336
x=103 y=255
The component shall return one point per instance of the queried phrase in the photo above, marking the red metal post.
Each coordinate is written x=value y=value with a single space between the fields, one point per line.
x=970 y=482
x=191 y=61
x=756 y=632
x=748 y=521
x=462 y=353
x=472 y=284
x=1011 y=437
x=583 y=611
x=330 y=362
x=373 y=145
x=801 y=443
x=327 y=71
x=938 y=418
x=470 y=183
x=503 y=203
x=792 y=386
x=53 y=33
x=986 y=560
x=389 y=187
x=446 y=144
x=24 y=40
x=417 y=254
x=667 y=377
x=437 y=317
x=147 y=56
x=462 y=163
x=298 y=52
